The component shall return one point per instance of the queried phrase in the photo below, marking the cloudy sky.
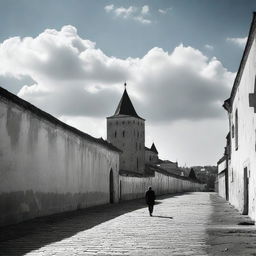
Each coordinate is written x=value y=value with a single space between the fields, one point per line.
x=179 y=58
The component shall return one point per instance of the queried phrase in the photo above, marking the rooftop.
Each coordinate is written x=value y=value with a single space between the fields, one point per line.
x=125 y=107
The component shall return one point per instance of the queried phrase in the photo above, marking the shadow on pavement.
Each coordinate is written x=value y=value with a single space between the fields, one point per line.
x=50 y=229
x=226 y=235
x=31 y=235
x=165 y=217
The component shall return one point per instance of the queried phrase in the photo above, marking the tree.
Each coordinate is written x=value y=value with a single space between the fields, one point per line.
x=192 y=174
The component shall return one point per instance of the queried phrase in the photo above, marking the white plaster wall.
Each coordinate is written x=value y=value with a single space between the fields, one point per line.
x=245 y=156
x=222 y=166
x=135 y=187
x=132 y=144
x=46 y=169
x=221 y=185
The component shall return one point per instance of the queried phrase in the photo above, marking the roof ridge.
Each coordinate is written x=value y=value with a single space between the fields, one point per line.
x=125 y=106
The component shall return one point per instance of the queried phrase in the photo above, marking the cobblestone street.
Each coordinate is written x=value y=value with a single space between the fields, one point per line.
x=187 y=224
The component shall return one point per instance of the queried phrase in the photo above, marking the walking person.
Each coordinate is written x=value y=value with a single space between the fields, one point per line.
x=150 y=200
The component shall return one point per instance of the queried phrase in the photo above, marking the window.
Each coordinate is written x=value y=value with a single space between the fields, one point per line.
x=233 y=131
x=137 y=163
x=116 y=122
x=123 y=133
x=150 y=158
x=139 y=146
x=138 y=134
x=115 y=134
x=236 y=130
x=123 y=122
x=136 y=146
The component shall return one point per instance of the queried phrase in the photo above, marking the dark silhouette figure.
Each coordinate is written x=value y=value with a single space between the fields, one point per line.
x=150 y=200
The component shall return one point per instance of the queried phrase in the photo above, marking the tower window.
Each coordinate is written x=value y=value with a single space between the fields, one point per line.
x=123 y=133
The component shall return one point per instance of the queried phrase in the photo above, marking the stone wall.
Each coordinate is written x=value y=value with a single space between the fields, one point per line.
x=135 y=187
x=49 y=167
x=128 y=134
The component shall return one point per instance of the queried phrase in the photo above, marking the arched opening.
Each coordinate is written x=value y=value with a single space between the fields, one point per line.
x=111 y=187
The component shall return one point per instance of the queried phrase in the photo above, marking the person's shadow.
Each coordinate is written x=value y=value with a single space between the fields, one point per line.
x=165 y=217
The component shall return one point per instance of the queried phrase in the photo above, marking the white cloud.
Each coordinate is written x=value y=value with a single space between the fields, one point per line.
x=164 y=11
x=142 y=20
x=63 y=66
x=145 y=10
x=239 y=41
x=125 y=12
x=132 y=12
x=109 y=8
x=209 y=47
x=67 y=76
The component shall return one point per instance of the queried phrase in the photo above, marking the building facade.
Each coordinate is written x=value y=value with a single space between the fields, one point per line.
x=126 y=131
x=241 y=109
x=151 y=155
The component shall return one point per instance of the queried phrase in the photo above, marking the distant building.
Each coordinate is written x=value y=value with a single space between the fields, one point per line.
x=223 y=179
x=171 y=167
x=151 y=155
x=126 y=130
x=241 y=143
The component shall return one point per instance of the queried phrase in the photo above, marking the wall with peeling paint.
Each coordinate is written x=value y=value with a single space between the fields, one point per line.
x=46 y=168
x=135 y=187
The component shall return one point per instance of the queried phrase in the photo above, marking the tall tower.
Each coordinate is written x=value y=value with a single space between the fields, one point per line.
x=126 y=131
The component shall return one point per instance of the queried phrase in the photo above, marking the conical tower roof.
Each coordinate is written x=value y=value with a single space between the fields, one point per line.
x=125 y=106
x=153 y=148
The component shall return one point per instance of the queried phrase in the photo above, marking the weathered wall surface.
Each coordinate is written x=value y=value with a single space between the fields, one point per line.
x=128 y=134
x=222 y=165
x=135 y=187
x=245 y=155
x=221 y=185
x=46 y=169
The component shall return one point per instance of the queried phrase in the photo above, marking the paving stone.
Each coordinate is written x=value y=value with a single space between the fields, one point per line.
x=184 y=224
